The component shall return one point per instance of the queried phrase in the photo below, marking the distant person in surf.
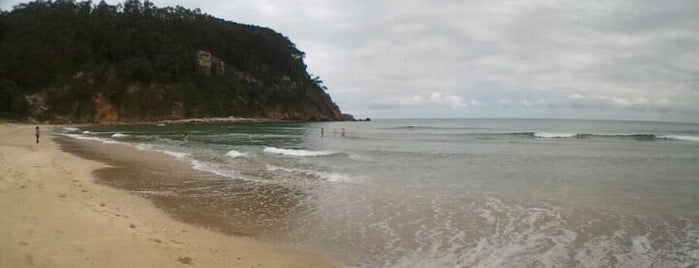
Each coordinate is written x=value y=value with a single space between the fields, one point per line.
x=343 y=132
x=38 y=133
x=322 y=132
x=186 y=137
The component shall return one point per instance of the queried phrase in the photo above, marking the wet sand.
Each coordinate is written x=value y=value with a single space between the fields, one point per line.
x=232 y=207
x=55 y=215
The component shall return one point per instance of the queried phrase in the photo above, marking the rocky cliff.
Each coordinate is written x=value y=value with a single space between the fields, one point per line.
x=70 y=61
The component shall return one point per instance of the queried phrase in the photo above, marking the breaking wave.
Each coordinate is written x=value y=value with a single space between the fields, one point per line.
x=569 y=135
x=119 y=135
x=323 y=175
x=554 y=135
x=90 y=138
x=296 y=152
x=679 y=137
x=177 y=155
x=235 y=154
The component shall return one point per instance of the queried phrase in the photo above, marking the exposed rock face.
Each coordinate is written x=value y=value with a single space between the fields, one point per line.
x=106 y=113
x=208 y=63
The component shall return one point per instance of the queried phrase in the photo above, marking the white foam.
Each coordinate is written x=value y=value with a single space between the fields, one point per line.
x=359 y=157
x=323 y=175
x=554 y=135
x=235 y=154
x=195 y=164
x=295 y=152
x=275 y=168
x=487 y=215
x=208 y=167
x=86 y=132
x=336 y=177
x=182 y=156
x=102 y=140
x=139 y=146
x=119 y=135
x=640 y=245
x=160 y=125
x=679 y=137
x=143 y=146
x=151 y=193
x=71 y=129
x=178 y=155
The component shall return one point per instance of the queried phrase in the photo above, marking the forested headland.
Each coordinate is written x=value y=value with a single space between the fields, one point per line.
x=67 y=61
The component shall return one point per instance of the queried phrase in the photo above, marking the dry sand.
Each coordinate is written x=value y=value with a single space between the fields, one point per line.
x=52 y=214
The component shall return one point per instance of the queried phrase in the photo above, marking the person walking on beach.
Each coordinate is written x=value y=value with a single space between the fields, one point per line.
x=38 y=132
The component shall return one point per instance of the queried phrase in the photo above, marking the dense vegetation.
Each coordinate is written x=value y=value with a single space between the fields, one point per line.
x=142 y=59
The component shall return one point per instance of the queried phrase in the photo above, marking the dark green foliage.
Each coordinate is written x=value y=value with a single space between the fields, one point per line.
x=11 y=101
x=142 y=58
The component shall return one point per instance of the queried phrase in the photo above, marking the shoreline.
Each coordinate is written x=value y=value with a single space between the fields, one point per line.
x=206 y=120
x=56 y=215
x=198 y=120
x=156 y=176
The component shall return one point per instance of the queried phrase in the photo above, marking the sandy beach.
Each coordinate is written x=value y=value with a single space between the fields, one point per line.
x=55 y=215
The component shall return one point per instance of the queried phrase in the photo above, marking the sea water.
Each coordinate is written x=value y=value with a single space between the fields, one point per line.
x=442 y=193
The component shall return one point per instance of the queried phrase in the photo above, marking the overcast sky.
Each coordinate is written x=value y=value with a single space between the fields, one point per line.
x=543 y=59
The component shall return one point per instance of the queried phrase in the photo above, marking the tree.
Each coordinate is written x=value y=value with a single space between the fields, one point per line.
x=70 y=50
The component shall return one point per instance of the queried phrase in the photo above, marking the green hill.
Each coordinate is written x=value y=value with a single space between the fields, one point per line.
x=66 y=61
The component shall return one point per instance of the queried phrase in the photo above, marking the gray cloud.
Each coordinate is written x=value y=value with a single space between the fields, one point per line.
x=378 y=54
x=599 y=102
x=435 y=99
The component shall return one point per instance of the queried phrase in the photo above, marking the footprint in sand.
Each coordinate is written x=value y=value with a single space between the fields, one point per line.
x=17 y=175
x=63 y=169
x=185 y=260
x=29 y=259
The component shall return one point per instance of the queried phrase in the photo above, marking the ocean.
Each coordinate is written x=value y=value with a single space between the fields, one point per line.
x=433 y=193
